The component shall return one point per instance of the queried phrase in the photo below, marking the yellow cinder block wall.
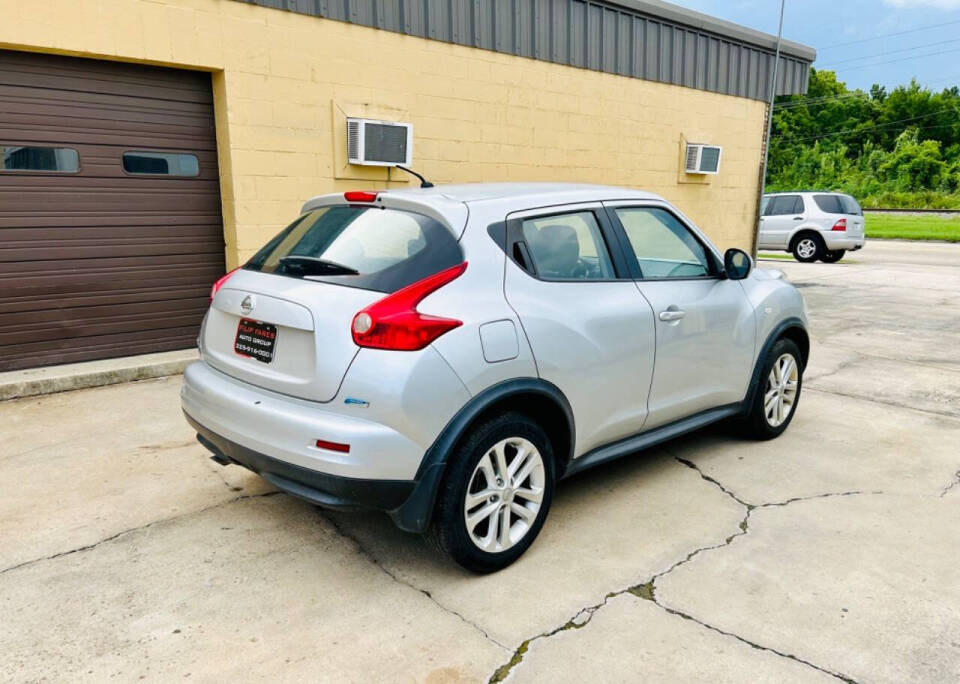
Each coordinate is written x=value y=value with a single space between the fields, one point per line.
x=280 y=78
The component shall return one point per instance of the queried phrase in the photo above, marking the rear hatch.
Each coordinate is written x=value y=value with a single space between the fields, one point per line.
x=283 y=320
x=838 y=207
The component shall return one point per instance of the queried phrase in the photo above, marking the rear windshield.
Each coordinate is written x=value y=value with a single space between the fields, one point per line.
x=366 y=247
x=829 y=204
x=850 y=205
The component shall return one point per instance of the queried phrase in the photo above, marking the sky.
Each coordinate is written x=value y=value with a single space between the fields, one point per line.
x=852 y=37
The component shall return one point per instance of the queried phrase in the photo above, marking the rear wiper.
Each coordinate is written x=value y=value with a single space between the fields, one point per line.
x=317 y=266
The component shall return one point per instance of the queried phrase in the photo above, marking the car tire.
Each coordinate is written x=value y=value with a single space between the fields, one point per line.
x=498 y=539
x=775 y=402
x=808 y=247
x=832 y=257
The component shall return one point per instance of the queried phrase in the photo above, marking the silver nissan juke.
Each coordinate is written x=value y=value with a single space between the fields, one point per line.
x=448 y=354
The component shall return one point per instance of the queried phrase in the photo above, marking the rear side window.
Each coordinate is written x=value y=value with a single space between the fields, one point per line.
x=850 y=205
x=568 y=247
x=784 y=205
x=366 y=247
x=829 y=204
x=33 y=158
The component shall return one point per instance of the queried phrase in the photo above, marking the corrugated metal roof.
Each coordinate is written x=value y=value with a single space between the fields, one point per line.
x=644 y=39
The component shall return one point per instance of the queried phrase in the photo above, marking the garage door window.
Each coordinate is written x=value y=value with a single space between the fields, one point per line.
x=161 y=164
x=31 y=158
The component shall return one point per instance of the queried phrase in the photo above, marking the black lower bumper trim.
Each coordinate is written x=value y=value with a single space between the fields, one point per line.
x=329 y=491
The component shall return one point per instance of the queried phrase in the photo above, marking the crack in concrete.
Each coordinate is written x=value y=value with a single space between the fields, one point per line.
x=647 y=590
x=122 y=533
x=953 y=483
x=874 y=400
x=363 y=551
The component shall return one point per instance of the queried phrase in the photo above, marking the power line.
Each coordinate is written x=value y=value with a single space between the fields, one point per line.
x=886 y=35
x=870 y=128
x=902 y=59
x=827 y=99
x=893 y=52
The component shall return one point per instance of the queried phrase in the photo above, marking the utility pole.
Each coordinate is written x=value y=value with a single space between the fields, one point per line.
x=766 y=146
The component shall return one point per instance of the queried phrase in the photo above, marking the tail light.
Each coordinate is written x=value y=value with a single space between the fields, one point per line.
x=220 y=283
x=360 y=196
x=394 y=322
x=840 y=225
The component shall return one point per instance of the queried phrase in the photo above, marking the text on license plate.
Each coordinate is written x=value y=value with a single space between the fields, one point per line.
x=256 y=340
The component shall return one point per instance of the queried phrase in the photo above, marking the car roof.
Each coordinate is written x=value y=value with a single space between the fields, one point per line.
x=521 y=192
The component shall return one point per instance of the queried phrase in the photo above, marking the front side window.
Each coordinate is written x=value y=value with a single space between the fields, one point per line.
x=35 y=158
x=366 y=247
x=829 y=204
x=664 y=247
x=784 y=205
x=568 y=247
x=161 y=163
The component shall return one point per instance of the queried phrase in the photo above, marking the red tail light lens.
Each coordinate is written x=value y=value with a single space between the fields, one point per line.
x=360 y=196
x=840 y=225
x=394 y=322
x=220 y=283
x=333 y=446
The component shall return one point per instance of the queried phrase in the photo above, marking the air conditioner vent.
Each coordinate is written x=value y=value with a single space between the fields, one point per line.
x=703 y=159
x=379 y=143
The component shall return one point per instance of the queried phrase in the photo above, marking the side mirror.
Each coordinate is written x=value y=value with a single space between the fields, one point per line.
x=736 y=264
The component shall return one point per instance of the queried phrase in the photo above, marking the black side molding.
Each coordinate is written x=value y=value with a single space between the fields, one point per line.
x=645 y=440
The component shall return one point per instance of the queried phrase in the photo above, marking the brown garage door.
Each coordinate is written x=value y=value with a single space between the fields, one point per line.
x=110 y=225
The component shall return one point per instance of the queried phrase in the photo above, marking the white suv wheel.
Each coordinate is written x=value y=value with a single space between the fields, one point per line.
x=807 y=248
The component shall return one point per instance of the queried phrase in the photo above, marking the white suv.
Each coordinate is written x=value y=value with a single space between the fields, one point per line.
x=448 y=354
x=812 y=225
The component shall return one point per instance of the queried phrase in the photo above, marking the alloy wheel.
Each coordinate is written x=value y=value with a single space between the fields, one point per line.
x=504 y=495
x=806 y=248
x=781 y=391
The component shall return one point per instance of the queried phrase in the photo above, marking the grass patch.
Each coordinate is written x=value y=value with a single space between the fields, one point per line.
x=919 y=227
x=783 y=256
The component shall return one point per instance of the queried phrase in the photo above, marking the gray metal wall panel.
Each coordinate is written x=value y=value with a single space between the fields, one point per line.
x=586 y=33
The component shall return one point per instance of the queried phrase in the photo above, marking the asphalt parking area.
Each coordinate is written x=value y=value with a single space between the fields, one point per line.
x=828 y=553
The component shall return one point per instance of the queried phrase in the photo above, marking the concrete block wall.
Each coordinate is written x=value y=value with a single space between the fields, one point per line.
x=282 y=82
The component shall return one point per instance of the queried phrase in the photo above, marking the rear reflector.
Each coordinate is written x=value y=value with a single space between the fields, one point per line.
x=394 y=322
x=840 y=225
x=220 y=283
x=333 y=446
x=360 y=196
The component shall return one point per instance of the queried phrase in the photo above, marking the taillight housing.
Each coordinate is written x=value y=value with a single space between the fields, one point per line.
x=360 y=196
x=394 y=322
x=220 y=283
x=840 y=225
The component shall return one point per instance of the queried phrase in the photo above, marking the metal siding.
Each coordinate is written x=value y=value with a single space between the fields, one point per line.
x=100 y=263
x=595 y=35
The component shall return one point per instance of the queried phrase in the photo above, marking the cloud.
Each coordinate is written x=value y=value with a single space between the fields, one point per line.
x=937 y=4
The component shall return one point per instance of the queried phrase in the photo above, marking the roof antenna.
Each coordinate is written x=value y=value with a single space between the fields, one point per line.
x=424 y=183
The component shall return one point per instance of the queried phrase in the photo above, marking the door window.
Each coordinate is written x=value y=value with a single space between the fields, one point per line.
x=567 y=247
x=664 y=247
x=783 y=205
x=33 y=158
x=161 y=163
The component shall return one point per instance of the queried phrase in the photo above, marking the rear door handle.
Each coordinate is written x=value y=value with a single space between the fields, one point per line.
x=797 y=218
x=672 y=315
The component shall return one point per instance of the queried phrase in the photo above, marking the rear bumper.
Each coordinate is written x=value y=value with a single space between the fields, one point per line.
x=329 y=491
x=287 y=429
x=850 y=244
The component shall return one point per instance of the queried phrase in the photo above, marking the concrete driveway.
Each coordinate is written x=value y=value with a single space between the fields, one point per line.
x=829 y=553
